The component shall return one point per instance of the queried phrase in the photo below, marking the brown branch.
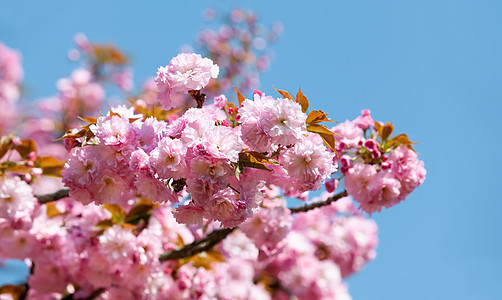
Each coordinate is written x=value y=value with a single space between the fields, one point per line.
x=314 y=205
x=45 y=198
x=218 y=235
x=198 y=246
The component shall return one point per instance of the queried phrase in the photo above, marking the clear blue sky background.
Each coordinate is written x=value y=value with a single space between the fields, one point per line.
x=433 y=67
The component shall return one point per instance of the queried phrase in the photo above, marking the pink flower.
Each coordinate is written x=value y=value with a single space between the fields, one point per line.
x=168 y=159
x=309 y=163
x=223 y=206
x=16 y=198
x=189 y=71
x=154 y=189
x=220 y=101
x=387 y=194
x=284 y=121
x=267 y=123
x=117 y=243
x=268 y=227
x=114 y=131
x=364 y=121
x=407 y=168
x=361 y=182
x=347 y=134
x=164 y=88
x=189 y=214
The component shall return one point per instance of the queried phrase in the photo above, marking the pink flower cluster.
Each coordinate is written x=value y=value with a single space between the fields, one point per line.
x=238 y=46
x=187 y=71
x=11 y=73
x=79 y=95
x=378 y=173
x=199 y=154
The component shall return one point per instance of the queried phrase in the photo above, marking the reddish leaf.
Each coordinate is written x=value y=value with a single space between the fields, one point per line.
x=26 y=147
x=386 y=131
x=118 y=213
x=302 y=100
x=317 y=116
x=5 y=144
x=318 y=128
x=327 y=135
x=89 y=120
x=285 y=94
x=239 y=96
x=52 y=210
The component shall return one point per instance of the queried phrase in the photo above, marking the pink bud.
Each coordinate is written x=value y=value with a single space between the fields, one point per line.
x=365 y=112
x=370 y=145
x=375 y=154
x=386 y=165
x=37 y=171
x=16 y=141
x=331 y=185
x=32 y=155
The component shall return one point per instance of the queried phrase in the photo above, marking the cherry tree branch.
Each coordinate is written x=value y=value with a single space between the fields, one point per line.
x=45 y=198
x=218 y=235
x=198 y=246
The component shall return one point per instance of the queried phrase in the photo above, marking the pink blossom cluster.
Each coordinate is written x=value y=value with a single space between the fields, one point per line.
x=378 y=172
x=238 y=46
x=105 y=62
x=11 y=73
x=200 y=152
x=78 y=95
x=69 y=254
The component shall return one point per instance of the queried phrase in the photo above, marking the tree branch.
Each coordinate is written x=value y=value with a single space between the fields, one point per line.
x=211 y=239
x=45 y=198
x=218 y=235
x=198 y=246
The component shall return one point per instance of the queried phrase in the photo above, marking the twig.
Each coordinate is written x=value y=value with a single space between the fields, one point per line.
x=311 y=206
x=45 y=198
x=218 y=235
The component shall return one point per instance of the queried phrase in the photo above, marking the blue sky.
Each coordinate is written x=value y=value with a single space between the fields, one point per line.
x=433 y=68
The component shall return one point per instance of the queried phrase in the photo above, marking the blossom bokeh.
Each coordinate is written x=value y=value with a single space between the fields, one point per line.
x=428 y=67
